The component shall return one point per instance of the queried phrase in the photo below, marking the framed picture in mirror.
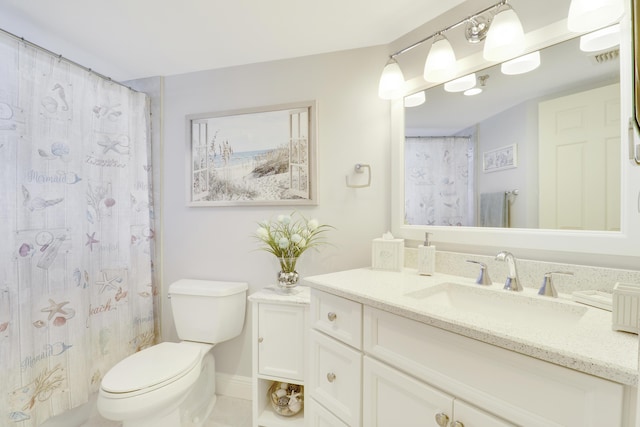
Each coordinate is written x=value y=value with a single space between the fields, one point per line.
x=500 y=158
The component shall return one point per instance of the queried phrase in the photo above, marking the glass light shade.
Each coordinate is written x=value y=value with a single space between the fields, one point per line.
x=392 y=83
x=414 y=99
x=461 y=84
x=605 y=38
x=440 y=65
x=522 y=64
x=473 y=91
x=505 y=38
x=589 y=15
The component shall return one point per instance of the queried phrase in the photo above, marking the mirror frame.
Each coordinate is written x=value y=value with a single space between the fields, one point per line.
x=570 y=245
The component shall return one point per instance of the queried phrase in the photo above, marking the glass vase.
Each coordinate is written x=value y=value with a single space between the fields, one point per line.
x=287 y=277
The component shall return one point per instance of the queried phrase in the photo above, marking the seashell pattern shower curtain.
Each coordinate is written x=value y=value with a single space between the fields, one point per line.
x=76 y=237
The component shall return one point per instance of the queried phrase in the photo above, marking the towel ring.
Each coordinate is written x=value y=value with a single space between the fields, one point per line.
x=359 y=168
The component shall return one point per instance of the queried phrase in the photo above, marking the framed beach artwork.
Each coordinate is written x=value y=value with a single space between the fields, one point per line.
x=259 y=156
x=500 y=158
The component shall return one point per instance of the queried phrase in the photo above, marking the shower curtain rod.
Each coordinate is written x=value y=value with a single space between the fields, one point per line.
x=60 y=58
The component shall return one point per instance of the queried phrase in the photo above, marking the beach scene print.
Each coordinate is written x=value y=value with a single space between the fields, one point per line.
x=253 y=157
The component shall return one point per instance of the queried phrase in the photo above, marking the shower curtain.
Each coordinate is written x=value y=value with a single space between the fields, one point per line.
x=76 y=291
x=439 y=180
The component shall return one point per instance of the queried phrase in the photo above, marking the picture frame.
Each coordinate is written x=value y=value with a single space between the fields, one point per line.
x=500 y=158
x=253 y=157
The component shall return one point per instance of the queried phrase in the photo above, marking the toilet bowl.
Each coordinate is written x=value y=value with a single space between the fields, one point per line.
x=173 y=384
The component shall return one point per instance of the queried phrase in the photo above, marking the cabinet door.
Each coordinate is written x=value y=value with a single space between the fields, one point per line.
x=334 y=377
x=468 y=416
x=392 y=399
x=281 y=341
x=315 y=415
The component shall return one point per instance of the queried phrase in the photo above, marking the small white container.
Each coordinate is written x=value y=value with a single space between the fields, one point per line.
x=387 y=254
x=626 y=307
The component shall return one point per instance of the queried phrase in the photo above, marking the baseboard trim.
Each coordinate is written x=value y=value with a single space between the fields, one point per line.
x=233 y=386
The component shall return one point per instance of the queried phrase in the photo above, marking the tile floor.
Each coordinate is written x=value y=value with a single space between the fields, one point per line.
x=228 y=412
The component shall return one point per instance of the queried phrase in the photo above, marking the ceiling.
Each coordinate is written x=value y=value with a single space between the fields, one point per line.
x=129 y=39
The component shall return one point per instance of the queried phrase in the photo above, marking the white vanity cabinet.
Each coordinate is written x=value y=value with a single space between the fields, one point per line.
x=279 y=330
x=398 y=371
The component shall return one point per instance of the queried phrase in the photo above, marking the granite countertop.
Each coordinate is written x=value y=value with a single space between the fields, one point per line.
x=587 y=345
x=298 y=295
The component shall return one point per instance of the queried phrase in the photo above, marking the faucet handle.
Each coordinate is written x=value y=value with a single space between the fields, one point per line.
x=483 y=277
x=547 y=288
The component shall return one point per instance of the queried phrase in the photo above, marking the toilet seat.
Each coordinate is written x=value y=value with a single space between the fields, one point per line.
x=150 y=369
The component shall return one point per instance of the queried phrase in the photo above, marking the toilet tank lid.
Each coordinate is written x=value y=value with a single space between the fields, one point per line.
x=207 y=287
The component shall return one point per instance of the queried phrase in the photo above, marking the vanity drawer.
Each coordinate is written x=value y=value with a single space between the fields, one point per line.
x=337 y=317
x=335 y=377
x=490 y=377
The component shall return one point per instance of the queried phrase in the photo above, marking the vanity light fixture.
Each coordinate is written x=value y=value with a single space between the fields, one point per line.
x=589 y=15
x=414 y=99
x=392 y=83
x=461 y=84
x=522 y=64
x=505 y=38
x=441 y=64
x=603 y=39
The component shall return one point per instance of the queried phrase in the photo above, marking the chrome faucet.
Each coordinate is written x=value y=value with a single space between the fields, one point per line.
x=513 y=282
x=547 y=288
x=483 y=277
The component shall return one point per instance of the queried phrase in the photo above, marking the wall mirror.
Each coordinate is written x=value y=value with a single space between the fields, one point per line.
x=497 y=145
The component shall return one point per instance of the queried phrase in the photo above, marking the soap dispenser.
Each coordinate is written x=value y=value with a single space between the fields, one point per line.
x=426 y=257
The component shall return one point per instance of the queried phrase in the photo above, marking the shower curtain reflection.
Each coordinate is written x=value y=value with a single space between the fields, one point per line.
x=76 y=291
x=439 y=181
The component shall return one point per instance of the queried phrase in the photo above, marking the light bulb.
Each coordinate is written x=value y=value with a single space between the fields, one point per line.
x=505 y=38
x=522 y=64
x=461 y=84
x=392 y=83
x=415 y=99
x=589 y=15
x=440 y=65
x=605 y=38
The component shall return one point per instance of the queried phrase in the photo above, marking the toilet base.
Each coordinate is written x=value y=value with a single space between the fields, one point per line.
x=170 y=420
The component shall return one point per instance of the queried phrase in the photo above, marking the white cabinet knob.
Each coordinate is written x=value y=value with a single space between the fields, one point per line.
x=331 y=377
x=260 y=339
x=457 y=424
x=331 y=316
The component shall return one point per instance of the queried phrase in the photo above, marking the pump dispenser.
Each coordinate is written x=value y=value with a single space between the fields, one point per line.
x=426 y=257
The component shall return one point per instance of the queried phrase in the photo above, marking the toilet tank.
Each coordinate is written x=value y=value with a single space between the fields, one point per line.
x=208 y=311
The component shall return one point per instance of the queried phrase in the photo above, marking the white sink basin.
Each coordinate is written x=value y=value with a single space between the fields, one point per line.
x=518 y=308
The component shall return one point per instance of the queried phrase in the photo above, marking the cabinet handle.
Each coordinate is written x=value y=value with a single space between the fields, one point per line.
x=331 y=316
x=457 y=424
x=331 y=377
x=442 y=419
x=260 y=339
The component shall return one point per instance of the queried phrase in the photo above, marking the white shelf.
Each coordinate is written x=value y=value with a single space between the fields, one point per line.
x=269 y=418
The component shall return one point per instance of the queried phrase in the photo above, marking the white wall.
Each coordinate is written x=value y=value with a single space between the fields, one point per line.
x=353 y=127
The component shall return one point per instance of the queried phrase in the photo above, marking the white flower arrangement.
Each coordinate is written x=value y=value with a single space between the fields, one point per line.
x=289 y=237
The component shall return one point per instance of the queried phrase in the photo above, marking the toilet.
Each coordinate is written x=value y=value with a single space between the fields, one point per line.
x=173 y=384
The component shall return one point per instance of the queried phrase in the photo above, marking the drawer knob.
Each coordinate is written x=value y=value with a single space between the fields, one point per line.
x=331 y=377
x=457 y=424
x=331 y=316
x=442 y=419
x=260 y=339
